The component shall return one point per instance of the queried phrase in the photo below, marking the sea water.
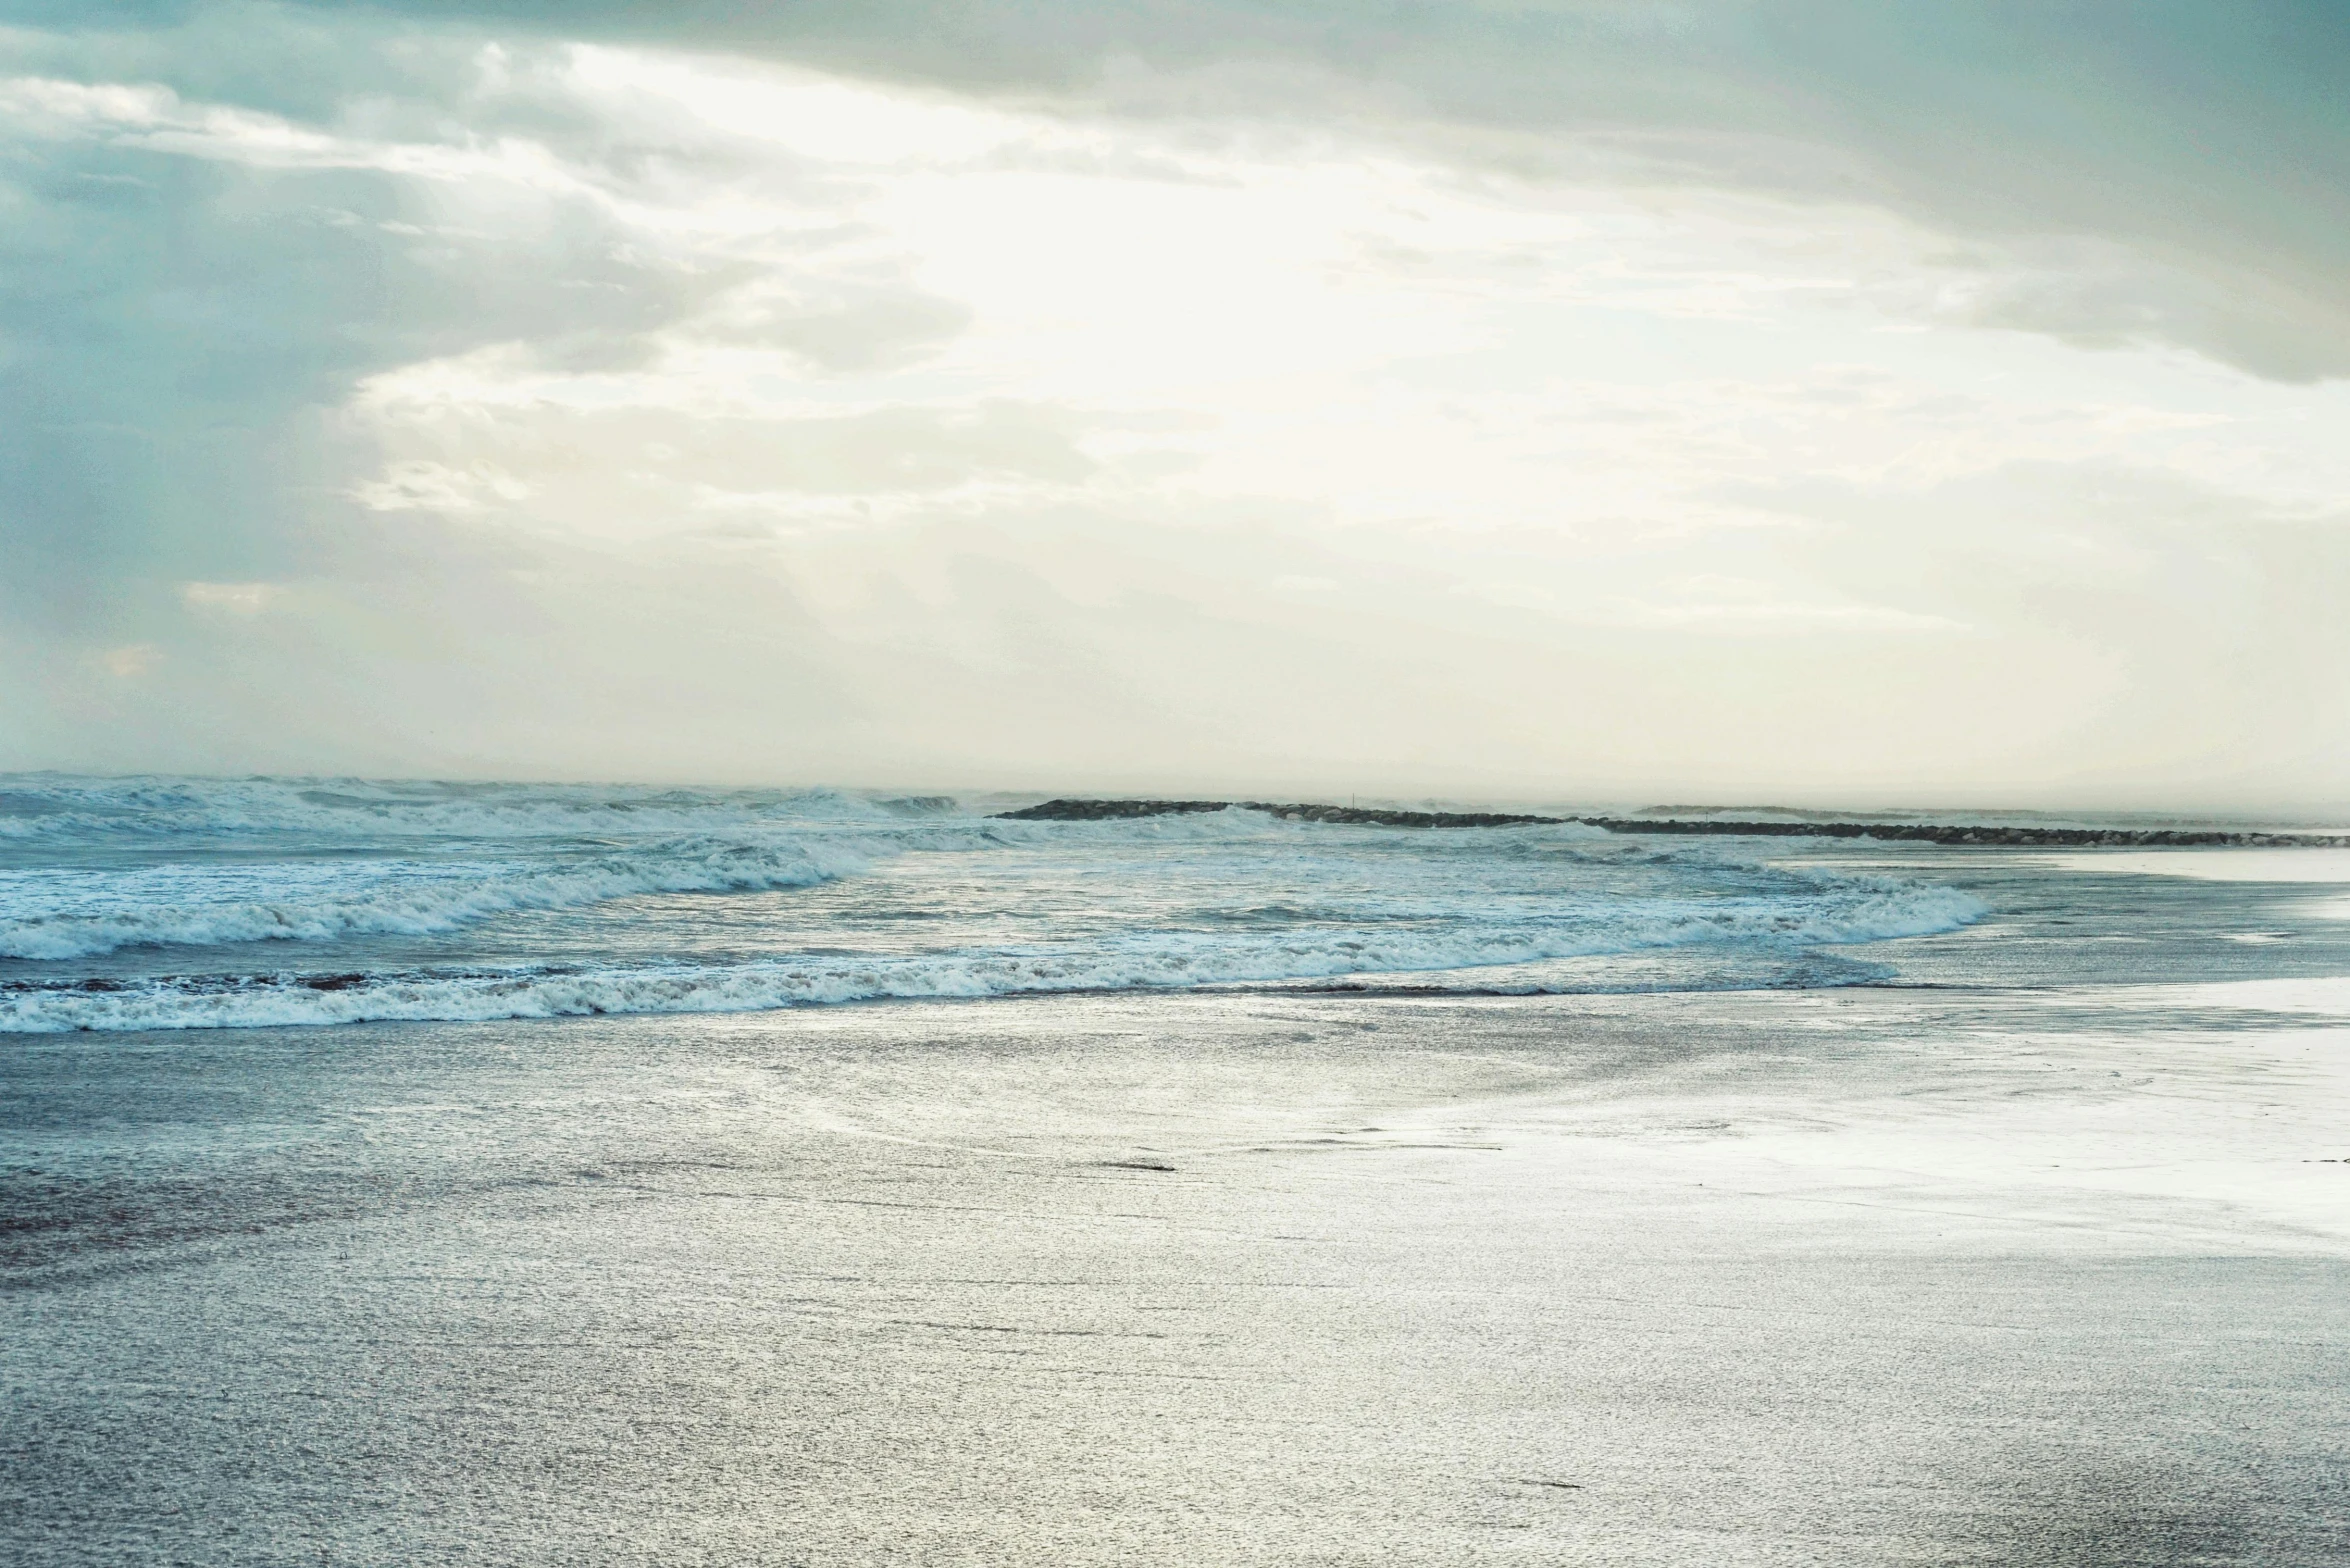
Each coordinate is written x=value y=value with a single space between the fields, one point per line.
x=507 y=1174
x=164 y=904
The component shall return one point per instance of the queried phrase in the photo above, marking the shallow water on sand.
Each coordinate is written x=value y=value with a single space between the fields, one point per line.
x=2036 y=1250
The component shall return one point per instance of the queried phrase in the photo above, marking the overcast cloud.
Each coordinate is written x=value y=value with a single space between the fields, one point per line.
x=1579 y=401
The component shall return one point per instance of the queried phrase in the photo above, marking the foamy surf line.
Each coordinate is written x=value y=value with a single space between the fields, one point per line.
x=54 y=914
x=1157 y=961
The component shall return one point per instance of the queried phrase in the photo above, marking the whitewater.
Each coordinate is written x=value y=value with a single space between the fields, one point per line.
x=188 y=903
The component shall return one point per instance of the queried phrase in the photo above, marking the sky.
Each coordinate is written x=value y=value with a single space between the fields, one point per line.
x=1564 y=400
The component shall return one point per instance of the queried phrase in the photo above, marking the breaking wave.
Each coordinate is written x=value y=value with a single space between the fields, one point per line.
x=106 y=885
x=1156 y=960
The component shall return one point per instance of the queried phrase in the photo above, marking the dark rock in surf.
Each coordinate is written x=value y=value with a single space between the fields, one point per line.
x=1103 y=810
x=1987 y=835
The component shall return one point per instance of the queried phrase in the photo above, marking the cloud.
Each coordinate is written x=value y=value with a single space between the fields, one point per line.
x=1563 y=397
x=645 y=470
x=187 y=290
x=231 y=598
x=2195 y=155
x=191 y=290
x=876 y=326
x=2101 y=294
x=2205 y=610
x=130 y=661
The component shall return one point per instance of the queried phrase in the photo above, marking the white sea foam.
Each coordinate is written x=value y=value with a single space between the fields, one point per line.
x=401 y=887
x=536 y=859
x=1162 y=959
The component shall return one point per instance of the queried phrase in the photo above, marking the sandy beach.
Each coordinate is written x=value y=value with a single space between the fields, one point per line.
x=1830 y=1277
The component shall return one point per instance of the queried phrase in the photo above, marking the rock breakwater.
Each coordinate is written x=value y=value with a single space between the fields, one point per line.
x=1997 y=835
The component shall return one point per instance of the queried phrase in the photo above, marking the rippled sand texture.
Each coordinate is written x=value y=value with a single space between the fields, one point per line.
x=1851 y=1277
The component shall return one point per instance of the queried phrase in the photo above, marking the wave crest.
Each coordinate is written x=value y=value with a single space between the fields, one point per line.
x=1159 y=960
x=426 y=900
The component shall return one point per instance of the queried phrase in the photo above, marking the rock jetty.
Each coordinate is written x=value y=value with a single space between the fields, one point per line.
x=1367 y=816
x=1999 y=835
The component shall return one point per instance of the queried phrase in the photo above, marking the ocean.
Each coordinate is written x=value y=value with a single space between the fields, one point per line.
x=166 y=904
x=400 y=1172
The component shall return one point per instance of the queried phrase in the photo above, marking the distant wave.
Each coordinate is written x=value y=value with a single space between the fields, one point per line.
x=1853 y=912
x=429 y=900
x=44 y=807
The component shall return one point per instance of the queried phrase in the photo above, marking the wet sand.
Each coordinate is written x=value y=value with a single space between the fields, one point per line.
x=1872 y=1276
